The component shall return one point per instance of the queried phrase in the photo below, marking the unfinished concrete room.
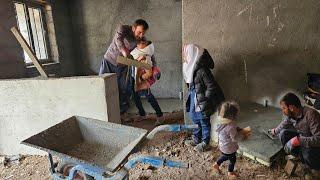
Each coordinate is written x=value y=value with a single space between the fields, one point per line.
x=159 y=89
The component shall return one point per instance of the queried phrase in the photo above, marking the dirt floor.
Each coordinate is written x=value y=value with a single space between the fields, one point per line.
x=167 y=145
x=200 y=163
x=29 y=168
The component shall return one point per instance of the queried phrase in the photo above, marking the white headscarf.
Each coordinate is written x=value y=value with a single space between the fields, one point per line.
x=191 y=55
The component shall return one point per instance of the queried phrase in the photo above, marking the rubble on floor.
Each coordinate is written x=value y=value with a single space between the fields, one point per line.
x=7 y=160
x=170 y=146
x=29 y=168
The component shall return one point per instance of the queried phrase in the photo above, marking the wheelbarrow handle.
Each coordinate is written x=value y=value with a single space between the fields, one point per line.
x=171 y=128
x=154 y=161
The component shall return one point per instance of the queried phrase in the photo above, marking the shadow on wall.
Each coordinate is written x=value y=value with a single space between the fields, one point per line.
x=80 y=52
x=257 y=76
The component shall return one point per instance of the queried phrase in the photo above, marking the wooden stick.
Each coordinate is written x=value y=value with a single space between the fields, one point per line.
x=29 y=51
x=131 y=62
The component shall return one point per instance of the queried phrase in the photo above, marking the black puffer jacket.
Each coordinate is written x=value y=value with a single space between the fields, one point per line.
x=209 y=93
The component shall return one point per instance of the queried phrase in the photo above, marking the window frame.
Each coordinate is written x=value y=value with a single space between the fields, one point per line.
x=41 y=6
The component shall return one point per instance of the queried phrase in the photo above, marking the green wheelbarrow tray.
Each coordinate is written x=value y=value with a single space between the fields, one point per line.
x=88 y=141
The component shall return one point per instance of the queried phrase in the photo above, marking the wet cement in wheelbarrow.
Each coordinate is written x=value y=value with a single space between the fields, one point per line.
x=79 y=139
x=98 y=154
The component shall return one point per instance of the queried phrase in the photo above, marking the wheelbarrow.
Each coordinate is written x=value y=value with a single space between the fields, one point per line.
x=94 y=149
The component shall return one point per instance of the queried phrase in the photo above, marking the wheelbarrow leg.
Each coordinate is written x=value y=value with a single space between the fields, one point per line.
x=52 y=165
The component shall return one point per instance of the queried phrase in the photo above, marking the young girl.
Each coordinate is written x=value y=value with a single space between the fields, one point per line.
x=229 y=135
x=205 y=95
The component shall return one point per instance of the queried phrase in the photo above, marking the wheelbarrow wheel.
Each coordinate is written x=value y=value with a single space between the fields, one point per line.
x=65 y=167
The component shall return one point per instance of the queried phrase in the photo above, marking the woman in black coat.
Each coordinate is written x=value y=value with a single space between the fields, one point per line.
x=205 y=95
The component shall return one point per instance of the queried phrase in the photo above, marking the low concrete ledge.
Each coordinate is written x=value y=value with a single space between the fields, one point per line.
x=29 y=106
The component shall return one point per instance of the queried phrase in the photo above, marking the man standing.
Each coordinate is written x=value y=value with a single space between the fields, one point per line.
x=299 y=132
x=123 y=42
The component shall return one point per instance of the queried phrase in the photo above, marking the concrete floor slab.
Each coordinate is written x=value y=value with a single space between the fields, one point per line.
x=258 y=147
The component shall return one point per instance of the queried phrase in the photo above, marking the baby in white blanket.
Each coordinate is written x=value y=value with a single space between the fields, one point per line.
x=143 y=53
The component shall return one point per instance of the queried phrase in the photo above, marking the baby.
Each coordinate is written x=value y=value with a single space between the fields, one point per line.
x=144 y=78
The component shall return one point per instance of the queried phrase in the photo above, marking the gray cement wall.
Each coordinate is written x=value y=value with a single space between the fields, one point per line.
x=94 y=24
x=29 y=106
x=64 y=35
x=261 y=48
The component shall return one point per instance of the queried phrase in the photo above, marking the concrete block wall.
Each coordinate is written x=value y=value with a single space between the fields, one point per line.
x=64 y=37
x=32 y=105
x=262 y=49
x=95 y=22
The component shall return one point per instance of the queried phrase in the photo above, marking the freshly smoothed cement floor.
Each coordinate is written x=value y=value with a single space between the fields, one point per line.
x=259 y=146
